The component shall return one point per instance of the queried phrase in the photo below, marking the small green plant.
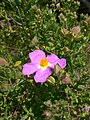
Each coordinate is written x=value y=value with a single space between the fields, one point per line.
x=26 y=26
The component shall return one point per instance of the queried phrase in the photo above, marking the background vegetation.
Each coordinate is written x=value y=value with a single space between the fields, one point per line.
x=52 y=27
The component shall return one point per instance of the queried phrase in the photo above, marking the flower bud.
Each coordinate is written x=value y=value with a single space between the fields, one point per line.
x=66 y=80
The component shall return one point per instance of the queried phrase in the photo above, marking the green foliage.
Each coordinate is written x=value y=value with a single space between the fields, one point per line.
x=34 y=26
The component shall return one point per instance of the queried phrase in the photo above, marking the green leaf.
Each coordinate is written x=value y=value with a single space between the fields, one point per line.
x=17 y=63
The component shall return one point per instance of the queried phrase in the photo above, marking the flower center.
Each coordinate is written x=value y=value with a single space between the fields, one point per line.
x=44 y=62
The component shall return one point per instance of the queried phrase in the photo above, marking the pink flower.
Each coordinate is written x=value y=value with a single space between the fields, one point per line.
x=42 y=65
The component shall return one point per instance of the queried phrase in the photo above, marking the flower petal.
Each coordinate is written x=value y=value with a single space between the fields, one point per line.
x=53 y=60
x=62 y=63
x=42 y=75
x=36 y=56
x=29 y=68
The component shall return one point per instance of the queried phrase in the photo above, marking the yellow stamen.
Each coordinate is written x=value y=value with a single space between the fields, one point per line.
x=44 y=62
